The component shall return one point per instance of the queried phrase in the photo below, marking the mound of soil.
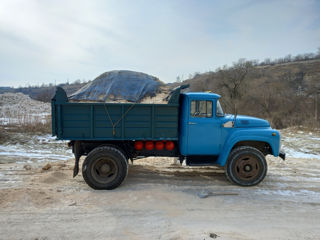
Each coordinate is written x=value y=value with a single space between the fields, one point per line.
x=17 y=108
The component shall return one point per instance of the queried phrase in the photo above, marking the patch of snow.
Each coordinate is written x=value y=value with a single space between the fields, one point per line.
x=297 y=154
x=316 y=138
x=37 y=149
x=300 y=144
x=46 y=138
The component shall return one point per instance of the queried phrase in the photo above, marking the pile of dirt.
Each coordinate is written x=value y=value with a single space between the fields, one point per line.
x=17 y=108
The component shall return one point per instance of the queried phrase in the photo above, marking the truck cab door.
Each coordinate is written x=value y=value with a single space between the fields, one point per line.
x=204 y=128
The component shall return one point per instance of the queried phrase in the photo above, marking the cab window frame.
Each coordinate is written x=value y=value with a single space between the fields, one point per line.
x=197 y=112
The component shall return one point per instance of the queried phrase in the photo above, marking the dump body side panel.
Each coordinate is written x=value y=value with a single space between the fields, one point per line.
x=114 y=121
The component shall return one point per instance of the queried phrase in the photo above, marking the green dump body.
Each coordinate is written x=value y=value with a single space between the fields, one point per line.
x=114 y=121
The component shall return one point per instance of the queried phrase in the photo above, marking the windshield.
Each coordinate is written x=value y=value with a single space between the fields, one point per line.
x=219 y=111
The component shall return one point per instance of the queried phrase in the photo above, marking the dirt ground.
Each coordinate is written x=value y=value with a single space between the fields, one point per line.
x=160 y=200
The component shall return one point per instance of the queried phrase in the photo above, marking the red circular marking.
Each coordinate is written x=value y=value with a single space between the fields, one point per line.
x=159 y=145
x=149 y=145
x=169 y=146
x=138 y=145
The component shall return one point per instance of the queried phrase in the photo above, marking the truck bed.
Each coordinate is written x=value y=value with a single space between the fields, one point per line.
x=113 y=121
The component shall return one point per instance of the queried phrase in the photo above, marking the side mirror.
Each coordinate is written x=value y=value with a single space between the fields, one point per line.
x=228 y=124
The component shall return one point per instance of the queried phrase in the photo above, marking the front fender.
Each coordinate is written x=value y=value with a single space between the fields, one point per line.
x=267 y=135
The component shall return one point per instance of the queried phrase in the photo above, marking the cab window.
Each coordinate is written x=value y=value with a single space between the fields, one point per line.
x=200 y=108
x=219 y=112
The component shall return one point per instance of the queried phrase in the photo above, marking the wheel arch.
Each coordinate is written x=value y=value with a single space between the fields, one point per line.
x=260 y=143
x=262 y=146
x=116 y=146
x=85 y=147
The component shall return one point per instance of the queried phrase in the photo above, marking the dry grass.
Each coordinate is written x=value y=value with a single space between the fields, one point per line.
x=13 y=133
x=25 y=125
x=36 y=127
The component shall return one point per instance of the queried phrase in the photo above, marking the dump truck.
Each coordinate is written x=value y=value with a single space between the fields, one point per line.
x=191 y=126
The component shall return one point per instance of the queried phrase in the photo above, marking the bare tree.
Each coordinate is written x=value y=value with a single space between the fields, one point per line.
x=232 y=82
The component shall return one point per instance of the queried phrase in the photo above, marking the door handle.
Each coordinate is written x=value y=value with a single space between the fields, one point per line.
x=192 y=123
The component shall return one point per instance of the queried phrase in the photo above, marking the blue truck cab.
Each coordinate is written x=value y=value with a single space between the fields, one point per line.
x=192 y=127
x=238 y=143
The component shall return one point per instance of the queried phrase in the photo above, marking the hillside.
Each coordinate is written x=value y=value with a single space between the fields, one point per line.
x=284 y=93
x=309 y=69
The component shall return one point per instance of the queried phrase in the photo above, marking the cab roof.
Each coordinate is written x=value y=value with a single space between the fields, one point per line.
x=202 y=95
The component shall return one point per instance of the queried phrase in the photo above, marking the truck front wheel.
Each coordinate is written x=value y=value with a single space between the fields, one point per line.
x=246 y=166
x=105 y=168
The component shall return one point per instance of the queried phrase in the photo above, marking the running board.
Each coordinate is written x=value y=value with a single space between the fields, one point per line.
x=201 y=160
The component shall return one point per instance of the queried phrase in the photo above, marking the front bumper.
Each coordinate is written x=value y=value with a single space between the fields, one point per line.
x=282 y=154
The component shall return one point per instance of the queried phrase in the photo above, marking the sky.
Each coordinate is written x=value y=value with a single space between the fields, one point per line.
x=44 y=41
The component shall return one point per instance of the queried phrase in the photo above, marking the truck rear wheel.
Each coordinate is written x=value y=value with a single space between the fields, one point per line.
x=105 y=168
x=246 y=166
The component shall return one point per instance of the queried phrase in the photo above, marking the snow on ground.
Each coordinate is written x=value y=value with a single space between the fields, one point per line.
x=17 y=108
x=35 y=149
x=301 y=143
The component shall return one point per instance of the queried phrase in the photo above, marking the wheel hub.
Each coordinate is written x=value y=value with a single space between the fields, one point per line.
x=247 y=167
x=105 y=168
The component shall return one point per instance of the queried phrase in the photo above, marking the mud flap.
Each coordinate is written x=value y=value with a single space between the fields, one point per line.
x=282 y=154
x=76 y=167
x=76 y=149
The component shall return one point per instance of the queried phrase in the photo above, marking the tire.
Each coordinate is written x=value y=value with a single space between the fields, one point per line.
x=246 y=166
x=105 y=168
